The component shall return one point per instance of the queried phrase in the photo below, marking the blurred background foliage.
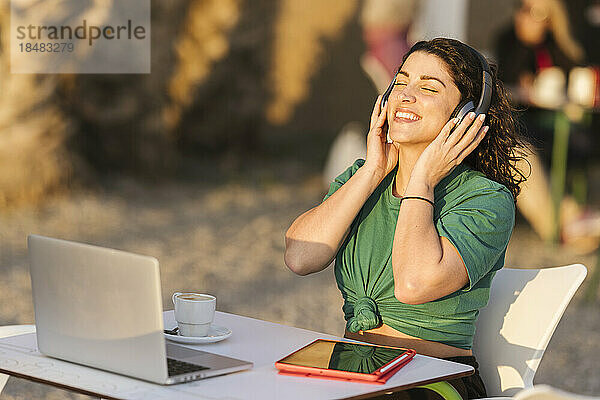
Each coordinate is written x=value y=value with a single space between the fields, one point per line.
x=226 y=76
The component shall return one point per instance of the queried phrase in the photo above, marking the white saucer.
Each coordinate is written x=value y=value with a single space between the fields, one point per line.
x=215 y=334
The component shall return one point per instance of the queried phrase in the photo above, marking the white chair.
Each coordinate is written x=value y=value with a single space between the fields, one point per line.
x=545 y=392
x=13 y=330
x=515 y=327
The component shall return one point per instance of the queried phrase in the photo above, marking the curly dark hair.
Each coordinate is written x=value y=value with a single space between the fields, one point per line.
x=504 y=144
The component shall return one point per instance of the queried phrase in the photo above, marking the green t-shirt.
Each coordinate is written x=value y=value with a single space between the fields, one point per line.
x=473 y=212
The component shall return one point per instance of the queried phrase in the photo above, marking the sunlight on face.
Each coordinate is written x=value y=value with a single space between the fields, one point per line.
x=422 y=100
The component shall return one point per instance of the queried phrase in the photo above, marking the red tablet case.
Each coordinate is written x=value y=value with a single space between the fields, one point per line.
x=323 y=373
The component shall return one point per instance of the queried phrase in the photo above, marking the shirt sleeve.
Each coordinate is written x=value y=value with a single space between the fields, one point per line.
x=344 y=177
x=480 y=227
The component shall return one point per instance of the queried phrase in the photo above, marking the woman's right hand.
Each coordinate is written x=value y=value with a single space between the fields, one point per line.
x=382 y=157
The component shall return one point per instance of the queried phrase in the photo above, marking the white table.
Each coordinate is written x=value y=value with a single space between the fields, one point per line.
x=253 y=340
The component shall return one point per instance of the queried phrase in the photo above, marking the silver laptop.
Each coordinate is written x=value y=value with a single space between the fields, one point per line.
x=102 y=308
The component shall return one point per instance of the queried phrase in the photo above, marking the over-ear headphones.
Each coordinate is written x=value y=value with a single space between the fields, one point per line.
x=467 y=105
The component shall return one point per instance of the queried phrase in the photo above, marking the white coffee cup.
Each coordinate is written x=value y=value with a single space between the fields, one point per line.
x=194 y=312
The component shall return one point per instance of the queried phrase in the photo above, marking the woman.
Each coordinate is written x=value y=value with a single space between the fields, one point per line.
x=418 y=228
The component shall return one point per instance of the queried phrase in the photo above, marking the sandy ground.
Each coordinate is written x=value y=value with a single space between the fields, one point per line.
x=227 y=239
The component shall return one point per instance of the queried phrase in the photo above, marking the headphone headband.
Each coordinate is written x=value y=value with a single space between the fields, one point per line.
x=486 y=85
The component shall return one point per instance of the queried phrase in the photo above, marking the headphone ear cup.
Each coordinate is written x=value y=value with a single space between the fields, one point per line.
x=462 y=109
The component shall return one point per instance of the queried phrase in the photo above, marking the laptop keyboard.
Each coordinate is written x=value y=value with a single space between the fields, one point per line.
x=177 y=367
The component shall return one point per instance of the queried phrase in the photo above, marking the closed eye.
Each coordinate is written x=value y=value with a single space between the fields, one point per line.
x=428 y=89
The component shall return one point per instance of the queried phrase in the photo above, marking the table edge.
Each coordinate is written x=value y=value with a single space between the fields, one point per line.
x=57 y=385
x=359 y=397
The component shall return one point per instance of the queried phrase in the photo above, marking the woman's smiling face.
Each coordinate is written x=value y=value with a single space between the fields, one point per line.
x=422 y=100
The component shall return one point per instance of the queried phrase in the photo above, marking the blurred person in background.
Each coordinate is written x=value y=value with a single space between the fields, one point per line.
x=535 y=54
x=419 y=227
x=538 y=38
x=385 y=28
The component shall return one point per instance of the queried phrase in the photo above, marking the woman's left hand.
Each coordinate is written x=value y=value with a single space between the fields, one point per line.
x=447 y=150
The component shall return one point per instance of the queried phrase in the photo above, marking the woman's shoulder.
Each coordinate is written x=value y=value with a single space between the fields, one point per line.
x=357 y=164
x=477 y=180
x=468 y=184
x=342 y=178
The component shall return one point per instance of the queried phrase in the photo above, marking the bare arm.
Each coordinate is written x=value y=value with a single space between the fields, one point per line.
x=314 y=238
x=426 y=266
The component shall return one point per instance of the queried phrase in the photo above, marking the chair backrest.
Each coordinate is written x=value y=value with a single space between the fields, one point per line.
x=515 y=327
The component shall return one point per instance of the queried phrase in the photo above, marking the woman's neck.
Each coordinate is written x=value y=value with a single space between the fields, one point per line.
x=407 y=158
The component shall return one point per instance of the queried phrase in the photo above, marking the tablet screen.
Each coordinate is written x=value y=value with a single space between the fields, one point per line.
x=342 y=356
